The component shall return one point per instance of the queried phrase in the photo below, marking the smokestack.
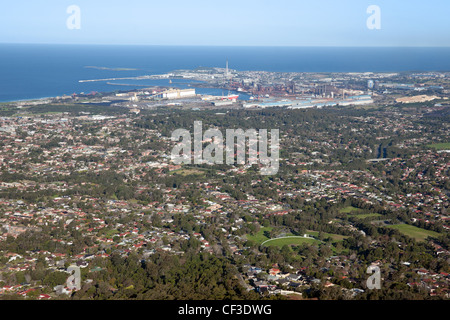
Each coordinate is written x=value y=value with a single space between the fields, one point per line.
x=226 y=72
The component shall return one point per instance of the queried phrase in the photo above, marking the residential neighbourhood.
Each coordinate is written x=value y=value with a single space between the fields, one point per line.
x=357 y=187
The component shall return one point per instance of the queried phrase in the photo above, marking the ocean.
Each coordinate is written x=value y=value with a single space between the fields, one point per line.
x=31 y=71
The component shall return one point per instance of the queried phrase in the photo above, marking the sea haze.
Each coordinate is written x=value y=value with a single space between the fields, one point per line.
x=30 y=71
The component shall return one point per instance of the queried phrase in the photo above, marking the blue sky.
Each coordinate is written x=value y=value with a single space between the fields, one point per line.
x=232 y=22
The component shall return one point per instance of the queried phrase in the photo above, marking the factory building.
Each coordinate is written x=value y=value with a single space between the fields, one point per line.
x=178 y=94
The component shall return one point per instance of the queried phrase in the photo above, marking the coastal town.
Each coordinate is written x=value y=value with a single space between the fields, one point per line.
x=88 y=179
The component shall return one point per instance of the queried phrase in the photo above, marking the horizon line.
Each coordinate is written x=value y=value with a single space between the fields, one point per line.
x=217 y=45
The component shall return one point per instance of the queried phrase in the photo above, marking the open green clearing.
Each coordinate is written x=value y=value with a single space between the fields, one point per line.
x=366 y=215
x=414 y=232
x=440 y=146
x=188 y=172
x=109 y=233
x=290 y=240
x=349 y=209
x=334 y=237
x=259 y=237
x=353 y=212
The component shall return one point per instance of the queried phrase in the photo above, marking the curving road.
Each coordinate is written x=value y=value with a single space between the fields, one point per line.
x=302 y=237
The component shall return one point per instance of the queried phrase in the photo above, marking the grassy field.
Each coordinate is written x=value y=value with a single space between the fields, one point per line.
x=353 y=212
x=290 y=241
x=349 y=209
x=414 y=232
x=259 y=237
x=335 y=237
x=366 y=215
x=440 y=146
x=110 y=233
x=188 y=172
